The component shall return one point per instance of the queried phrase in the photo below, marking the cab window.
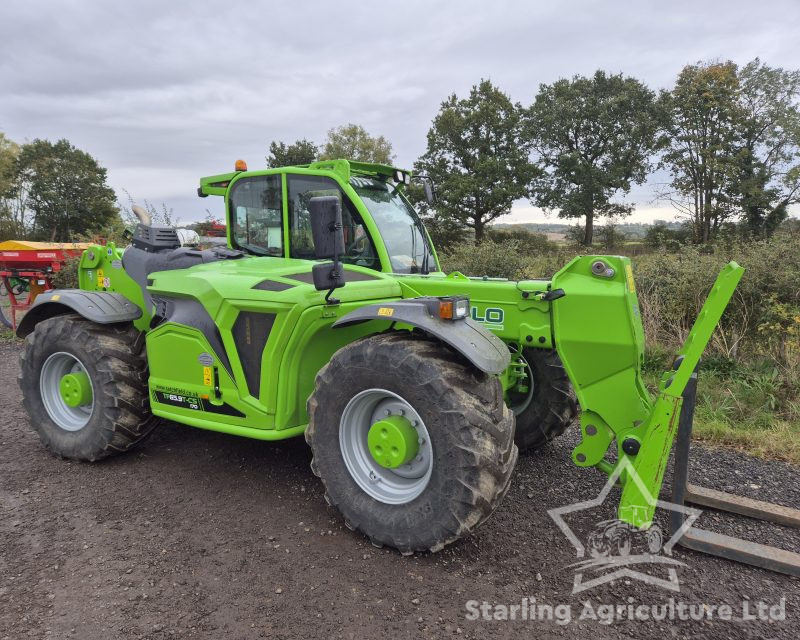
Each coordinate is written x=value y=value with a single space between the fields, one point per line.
x=257 y=215
x=358 y=245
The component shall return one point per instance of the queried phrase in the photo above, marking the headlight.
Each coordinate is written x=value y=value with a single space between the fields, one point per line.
x=454 y=308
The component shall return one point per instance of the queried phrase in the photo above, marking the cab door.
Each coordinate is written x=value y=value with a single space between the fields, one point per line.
x=359 y=248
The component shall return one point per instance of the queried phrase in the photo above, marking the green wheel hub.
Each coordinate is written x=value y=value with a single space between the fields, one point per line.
x=75 y=389
x=393 y=442
x=66 y=391
x=380 y=474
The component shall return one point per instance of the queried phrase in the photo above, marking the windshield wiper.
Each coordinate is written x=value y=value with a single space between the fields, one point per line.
x=413 y=248
x=425 y=269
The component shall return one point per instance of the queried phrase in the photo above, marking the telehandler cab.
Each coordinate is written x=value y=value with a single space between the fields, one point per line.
x=414 y=389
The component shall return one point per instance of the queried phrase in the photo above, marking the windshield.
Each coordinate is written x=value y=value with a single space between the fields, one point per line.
x=399 y=226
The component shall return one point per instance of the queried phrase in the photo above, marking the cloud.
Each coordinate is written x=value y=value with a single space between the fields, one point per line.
x=162 y=93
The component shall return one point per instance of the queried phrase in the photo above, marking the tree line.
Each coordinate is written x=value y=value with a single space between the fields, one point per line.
x=56 y=192
x=727 y=139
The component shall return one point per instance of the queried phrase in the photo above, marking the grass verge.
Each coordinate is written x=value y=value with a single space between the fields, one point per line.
x=748 y=407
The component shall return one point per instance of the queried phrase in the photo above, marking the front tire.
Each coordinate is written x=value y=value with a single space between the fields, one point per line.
x=103 y=408
x=465 y=432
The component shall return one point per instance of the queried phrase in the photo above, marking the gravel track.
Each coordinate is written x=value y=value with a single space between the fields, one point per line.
x=201 y=535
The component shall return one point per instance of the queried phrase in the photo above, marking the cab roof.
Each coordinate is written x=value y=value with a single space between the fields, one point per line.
x=218 y=185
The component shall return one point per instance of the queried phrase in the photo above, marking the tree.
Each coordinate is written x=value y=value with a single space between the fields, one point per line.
x=352 y=142
x=283 y=155
x=610 y=235
x=446 y=234
x=766 y=180
x=574 y=234
x=735 y=146
x=662 y=234
x=9 y=151
x=703 y=136
x=530 y=243
x=66 y=191
x=477 y=157
x=593 y=138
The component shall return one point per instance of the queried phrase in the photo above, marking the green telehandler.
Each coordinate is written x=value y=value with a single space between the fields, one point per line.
x=327 y=314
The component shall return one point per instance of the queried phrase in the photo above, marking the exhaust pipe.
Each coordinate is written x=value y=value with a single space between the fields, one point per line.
x=142 y=214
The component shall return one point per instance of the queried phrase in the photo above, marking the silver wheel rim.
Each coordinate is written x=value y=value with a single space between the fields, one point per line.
x=54 y=368
x=390 y=486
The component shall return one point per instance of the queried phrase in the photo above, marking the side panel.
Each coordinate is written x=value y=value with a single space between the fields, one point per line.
x=251 y=334
x=189 y=384
x=513 y=311
x=308 y=349
x=267 y=388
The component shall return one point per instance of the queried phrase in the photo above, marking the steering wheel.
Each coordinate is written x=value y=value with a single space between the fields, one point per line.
x=359 y=246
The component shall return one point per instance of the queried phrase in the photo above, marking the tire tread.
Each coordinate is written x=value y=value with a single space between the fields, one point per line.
x=485 y=453
x=118 y=357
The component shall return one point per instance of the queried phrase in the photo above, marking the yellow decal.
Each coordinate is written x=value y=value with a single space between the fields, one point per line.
x=629 y=275
x=207 y=378
x=99 y=277
x=56 y=297
x=385 y=311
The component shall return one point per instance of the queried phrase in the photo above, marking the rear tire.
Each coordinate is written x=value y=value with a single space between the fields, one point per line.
x=471 y=431
x=553 y=405
x=113 y=356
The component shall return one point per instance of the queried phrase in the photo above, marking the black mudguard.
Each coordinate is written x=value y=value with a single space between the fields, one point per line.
x=478 y=345
x=103 y=307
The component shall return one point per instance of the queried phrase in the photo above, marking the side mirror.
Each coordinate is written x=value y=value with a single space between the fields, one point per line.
x=327 y=275
x=326 y=226
x=430 y=192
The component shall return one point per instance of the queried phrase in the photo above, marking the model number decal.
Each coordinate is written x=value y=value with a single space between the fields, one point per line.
x=188 y=400
x=178 y=400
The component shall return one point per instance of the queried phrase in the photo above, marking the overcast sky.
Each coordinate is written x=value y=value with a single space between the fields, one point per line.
x=162 y=93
